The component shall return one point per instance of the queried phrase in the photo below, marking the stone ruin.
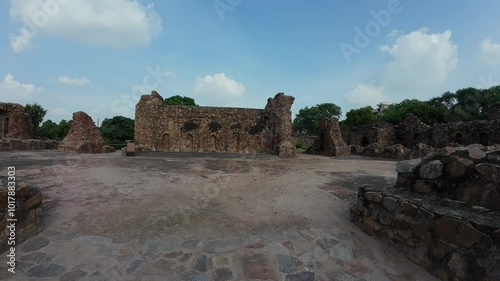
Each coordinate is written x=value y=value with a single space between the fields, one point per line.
x=412 y=138
x=28 y=212
x=174 y=128
x=16 y=130
x=443 y=212
x=329 y=141
x=84 y=136
x=14 y=122
x=379 y=132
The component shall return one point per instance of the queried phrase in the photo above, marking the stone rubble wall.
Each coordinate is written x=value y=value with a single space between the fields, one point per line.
x=330 y=141
x=18 y=123
x=84 y=136
x=378 y=132
x=465 y=174
x=28 y=213
x=172 y=128
x=452 y=240
x=17 y=144
x=412 y=131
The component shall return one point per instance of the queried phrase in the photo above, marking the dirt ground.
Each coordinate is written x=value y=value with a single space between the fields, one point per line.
x=161 y=196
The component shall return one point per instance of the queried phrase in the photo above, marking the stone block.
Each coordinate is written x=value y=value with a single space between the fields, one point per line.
x=407 y=166
x=374 y=197
x=422 y=186
x=35 y=200
x=489 y=172
x=404 y=180
x=457 y=168
x=390 y=203
x=455 y=231
x=431 y=170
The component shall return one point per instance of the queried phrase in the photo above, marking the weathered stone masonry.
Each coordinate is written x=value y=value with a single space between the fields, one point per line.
x=214 y=129
x=444 y=213
x=28 y=213
x=14 y=122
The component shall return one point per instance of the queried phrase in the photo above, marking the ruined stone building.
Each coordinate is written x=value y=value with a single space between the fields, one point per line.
x=14 y=122
x=412 y=131
x=378 y=131
x=84 y=136
x=329 y=140
x=174 y=128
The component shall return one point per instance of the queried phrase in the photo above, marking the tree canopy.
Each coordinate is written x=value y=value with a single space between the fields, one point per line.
x=117 y=129
x=428 y=113
x=358 y=117
x=178 y=100
x=307 y=121
x=37 y=113
x=53 y=131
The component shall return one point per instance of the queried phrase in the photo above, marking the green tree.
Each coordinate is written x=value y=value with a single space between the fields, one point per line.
x=53 y=131
x=358 y=117
x=178 y=100
x=48 y=130
x=37 y=113
x=63 y=130
x=307 y=121
x=426 y=111
x=117 y=129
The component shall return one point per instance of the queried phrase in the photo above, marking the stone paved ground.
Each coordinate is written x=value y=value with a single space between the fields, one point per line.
x=114 y=218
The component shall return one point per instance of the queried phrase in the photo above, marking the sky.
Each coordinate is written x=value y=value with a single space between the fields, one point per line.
x=100 y=56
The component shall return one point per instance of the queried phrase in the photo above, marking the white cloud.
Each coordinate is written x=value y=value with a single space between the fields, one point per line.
x=219 y=86
x=490 y=52
x=12 y=90
x=110 y=23
x=432 y=54
x=420 y=63
x=61 y=112
x=394 y=34
x=366 y=95
x=74 y=81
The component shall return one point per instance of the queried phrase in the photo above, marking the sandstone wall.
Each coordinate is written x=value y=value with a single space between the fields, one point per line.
x=329 y=141
x=28 y=213
x=379 y=132
x=14 y=123
x=464 y=174
x=444 y=212
x=484 y=132
x=452 y=240
x=213 y=129
x=83 y=136
x=16 y=144
x=410 y=130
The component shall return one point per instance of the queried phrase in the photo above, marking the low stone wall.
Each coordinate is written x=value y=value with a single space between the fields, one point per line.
x=450 y=239
x=17 y=144
x=465 y=174
x=28 y=212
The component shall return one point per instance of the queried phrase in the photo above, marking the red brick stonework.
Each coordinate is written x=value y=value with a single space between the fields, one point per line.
x=83 y=136
x=14 y=123
x=161 y=127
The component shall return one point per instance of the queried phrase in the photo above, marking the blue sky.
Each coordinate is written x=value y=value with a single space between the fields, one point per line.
x=99 y=56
